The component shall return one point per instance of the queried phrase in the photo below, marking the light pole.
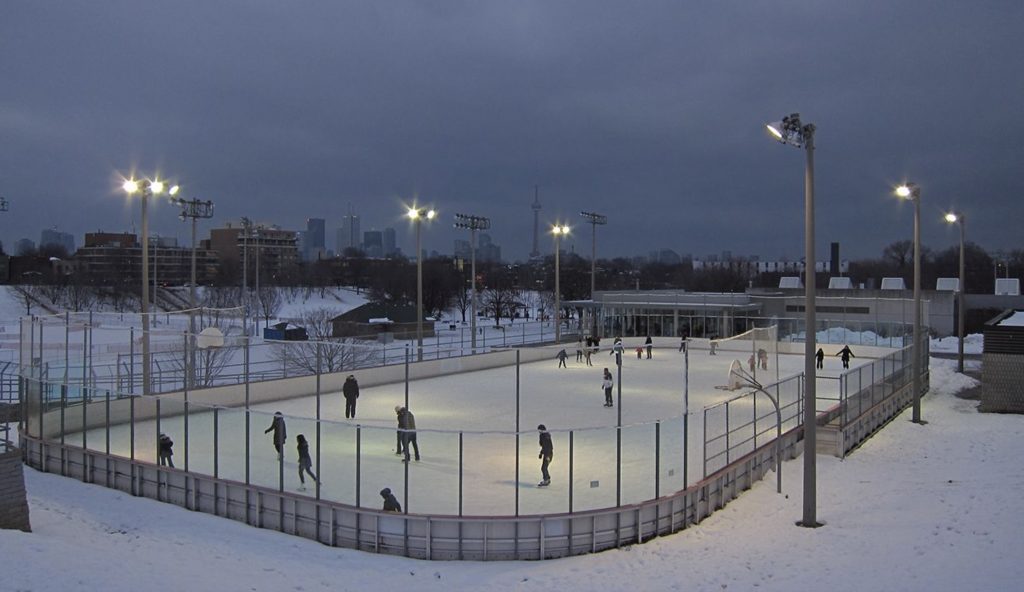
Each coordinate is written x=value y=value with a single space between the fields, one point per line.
x=473 y=223
x=146 y=189
x=959 y=218
x=558 y=231
x=194 y=209
x=913 y=193
x=791 y=131
x=417 y=215
x=594 y=220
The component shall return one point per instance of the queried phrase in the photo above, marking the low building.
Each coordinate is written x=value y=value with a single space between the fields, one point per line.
x=372 y=321
x=1002 y=363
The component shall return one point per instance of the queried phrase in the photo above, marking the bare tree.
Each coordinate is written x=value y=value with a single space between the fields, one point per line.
x=270 y=302
x=463 y=301
x=501 y=302
x=334 y=354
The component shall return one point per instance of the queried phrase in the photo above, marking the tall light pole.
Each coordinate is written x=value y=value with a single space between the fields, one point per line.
x=959 y=218
x=194 y=209
x=791 y=131
x=913 y=193
x=146 y=189
x=417 y=215
x=473 y=223
x=558 y=231
x=594 y=220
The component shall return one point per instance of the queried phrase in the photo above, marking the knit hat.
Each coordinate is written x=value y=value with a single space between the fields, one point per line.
x=385 y=492
x=541 y=427
x=398 y=408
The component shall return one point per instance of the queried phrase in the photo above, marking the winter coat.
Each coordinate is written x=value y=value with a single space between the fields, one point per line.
x=166 y=446
x=547 y=449
x=280 y=433
x=607 y=384
x=390 y=501
x=407 y=421
x=350 y=389
x=304 y=458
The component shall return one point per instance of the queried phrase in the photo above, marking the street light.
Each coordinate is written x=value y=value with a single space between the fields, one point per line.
x=194 y=209
x=473 y=223
x=558 y=231
x=594 y=220
x=958 y=218
x=146 y=188
x=417 y=215
x=913 y=193
x=791 y=131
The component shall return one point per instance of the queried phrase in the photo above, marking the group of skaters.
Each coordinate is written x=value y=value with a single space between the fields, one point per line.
x=585 y=348
x=844 y=354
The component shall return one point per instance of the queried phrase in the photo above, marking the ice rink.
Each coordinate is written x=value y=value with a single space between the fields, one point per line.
x=482 y=406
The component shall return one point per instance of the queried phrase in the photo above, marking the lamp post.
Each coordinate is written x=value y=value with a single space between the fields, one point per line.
x=959 y=218
x=791 y=131
x=473 y=223
x=558 y=231
x=594 y=220
x=417 y=216
x=913 y=193
x=146 y=189
x=194 y=209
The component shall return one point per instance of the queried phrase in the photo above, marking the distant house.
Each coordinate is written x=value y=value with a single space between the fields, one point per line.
x=372 y=320
x=285 y=332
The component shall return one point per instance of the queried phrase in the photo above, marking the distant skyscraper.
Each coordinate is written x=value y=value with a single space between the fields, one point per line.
x=57 y=238
x=348 y=235
x=536 y=222
x=24 y=246
x=389 y=242
x=313 y=239
x=373 y=243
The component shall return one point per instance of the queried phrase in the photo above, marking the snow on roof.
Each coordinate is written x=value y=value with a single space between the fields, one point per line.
x=1014 y=320
x=380 y=321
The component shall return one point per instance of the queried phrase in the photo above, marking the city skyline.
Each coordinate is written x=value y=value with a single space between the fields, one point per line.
x=650 y=115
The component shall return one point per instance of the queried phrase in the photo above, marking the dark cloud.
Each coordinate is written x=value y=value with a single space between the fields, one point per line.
x=651 y=113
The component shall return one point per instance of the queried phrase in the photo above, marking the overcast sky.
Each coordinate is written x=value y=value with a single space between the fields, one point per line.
x=649 y=112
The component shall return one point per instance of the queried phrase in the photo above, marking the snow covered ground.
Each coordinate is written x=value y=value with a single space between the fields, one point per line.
x=934 y=507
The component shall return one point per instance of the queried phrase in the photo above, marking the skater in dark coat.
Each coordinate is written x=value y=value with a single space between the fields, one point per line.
x=407 y=429
x=561 y=358
x=650 y=346
x=617 y=349
x=547 y=450
x=305 y=462
x=165 y=450
x=820 y=357
x=846 y=355
x=390 y=502
x=280 y=433
x=351 y=392
x=607 y=383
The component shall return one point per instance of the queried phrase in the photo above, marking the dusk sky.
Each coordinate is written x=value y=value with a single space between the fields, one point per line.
x=651 y=113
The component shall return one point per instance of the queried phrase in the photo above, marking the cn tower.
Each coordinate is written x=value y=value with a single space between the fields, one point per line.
x=536 y=222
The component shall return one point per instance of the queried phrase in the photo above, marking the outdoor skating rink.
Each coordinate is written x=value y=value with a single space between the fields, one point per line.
x=482 y=405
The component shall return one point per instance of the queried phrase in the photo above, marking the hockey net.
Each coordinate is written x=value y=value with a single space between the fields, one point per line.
x=758 y=351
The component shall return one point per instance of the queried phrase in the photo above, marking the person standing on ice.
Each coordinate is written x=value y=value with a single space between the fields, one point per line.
x=398 y=435
x=280 y=433
x=820 y=357
x=351 y=391
x=165 y=450
x=562 y=356
x=650 y=346
x=579 y=349
x=547 y=450
x=390 y=502
x=846 y=355
x=617 y=350
x=305 y=462
x=607 y=383
x=407 y=428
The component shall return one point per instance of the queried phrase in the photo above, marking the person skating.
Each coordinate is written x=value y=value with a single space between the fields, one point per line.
x=762 y=358
x=351 y=391
x=639 y=352
x=280 y=433
x=305 y=462
x=617 y=350
x=846 y=355
x=562 y=356
x=165 y=450
x=579 y=349
x=607 y=383
x=407 y=427
x=390 y=502
x=398 y=434
x=820 y=357
x=547 y=451
x=586 y=356
x=650 y=346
